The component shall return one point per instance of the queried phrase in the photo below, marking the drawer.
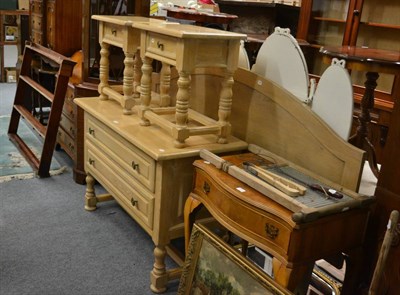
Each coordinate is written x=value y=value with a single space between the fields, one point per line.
x=67 y=142
x=115 y=34
x=37 y=23
x=68 y=126
x=69 y=110
x=162 y=46
x=130 y=195
x=37 y=7
x=69 y=94
x=134 y=161
x=37 y=37
x=265 y=227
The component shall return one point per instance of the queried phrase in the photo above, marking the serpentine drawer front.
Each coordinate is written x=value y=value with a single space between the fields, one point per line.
x=268 y=228
x=132 y=160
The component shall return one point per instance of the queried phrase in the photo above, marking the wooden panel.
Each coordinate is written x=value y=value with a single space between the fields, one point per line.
x=135 y=162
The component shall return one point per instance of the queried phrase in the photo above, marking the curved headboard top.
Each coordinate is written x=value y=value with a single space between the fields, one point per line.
x=265 y=114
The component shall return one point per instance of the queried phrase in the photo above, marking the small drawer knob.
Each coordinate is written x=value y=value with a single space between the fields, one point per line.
x=134 y=202
x=206 y=187
x=271 y=230
x=135 y=166
x=91 y=131
x=160 y=45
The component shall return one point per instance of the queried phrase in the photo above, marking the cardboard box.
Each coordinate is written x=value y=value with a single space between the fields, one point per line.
x=11 y=75
x=23 y=4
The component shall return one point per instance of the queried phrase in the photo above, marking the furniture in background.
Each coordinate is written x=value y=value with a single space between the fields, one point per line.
x=57 y=25
x=362 y=23
x=390 y=234
x=373 y=62
x=40 y=164
x=71 y=131
x=387 y=195
x=257 y=19
x=142 y=170
x=18 y=41
x=212 y=19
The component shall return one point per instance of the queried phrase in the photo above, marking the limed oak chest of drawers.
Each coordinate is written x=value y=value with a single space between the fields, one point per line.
x=143 y=172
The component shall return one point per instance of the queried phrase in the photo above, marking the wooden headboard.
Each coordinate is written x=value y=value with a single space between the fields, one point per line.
x=266 y=115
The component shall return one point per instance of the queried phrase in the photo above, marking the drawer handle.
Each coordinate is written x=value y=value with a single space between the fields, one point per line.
x=206 y=187
x=134 y=202
x=271 y=230
x=91 y=161
x=135 y=166
x=114 y=32
x=160 y=45
x=91 y=131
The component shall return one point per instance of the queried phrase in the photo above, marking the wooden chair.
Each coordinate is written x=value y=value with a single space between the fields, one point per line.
x=41 y=165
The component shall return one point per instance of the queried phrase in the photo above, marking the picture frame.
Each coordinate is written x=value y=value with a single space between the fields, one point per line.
x=213 y=265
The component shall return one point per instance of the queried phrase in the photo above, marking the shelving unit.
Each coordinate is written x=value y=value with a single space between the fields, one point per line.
x=3 y=42
x=369 y=23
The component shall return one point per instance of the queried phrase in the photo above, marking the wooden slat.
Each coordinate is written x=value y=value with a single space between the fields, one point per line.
x=39 y=88
x=25 y=150
x=31 y=120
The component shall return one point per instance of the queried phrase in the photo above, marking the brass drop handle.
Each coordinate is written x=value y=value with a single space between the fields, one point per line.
x=160 y=45
x=135 y=166
x=91 y=161
x=271 y=230
x=91 y=131
x=206 y=187
x=134 y=202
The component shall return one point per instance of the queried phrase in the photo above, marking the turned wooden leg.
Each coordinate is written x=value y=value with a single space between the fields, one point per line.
x=104 y=70
x=189 y=212
x=295 y=279
x=159 y=275
x=180 y=132
x=145 y=90
x=225 y=106
x=360 y=139
x=127 y=87
x=90 y=195
x=165 y=82
x=137 y=75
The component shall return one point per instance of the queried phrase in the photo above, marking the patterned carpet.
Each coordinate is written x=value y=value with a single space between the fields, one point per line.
x=12 y=163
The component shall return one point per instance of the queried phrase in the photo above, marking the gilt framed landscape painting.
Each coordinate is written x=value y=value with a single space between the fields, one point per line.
x=213 y=267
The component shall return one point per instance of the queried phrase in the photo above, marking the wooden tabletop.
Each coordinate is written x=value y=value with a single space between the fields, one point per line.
x=363 y=58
